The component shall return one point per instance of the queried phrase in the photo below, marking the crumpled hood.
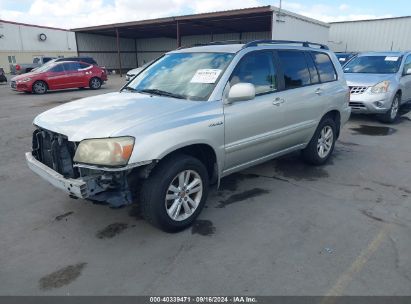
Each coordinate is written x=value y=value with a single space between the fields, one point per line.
x=366 y=80
x=114 y=114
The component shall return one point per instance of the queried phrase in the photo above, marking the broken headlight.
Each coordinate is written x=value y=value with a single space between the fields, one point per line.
x=114 y=151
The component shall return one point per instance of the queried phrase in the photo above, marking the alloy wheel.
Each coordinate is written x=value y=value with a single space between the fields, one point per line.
x=184 y=195
x=95 y=83
x=325 y=141
x=394 y=108
x=39 y=87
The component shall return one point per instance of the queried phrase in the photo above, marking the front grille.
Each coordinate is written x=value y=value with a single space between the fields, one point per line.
x=358 y=90
x=55 y=151
x=357 y=105
x=13 y=84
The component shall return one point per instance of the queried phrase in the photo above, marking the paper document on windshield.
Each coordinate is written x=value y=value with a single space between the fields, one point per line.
x=391 y=58
x=206 y=76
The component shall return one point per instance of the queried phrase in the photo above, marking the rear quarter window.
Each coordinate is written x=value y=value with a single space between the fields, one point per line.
x=325 y=67
x=295 y=69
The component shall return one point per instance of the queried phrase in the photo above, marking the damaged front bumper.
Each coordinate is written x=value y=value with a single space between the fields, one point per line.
x=97 y=185
x=77 y=187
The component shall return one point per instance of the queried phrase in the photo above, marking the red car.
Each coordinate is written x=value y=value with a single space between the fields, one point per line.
x=60 y=75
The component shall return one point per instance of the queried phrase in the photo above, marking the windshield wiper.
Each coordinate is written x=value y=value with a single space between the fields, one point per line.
x=130 y=89
x=162 y=93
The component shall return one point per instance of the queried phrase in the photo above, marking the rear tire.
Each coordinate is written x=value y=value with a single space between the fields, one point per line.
x=174 y=194
x=392 y=114
x=322 y=144
x=95 y=83
x=39 y=87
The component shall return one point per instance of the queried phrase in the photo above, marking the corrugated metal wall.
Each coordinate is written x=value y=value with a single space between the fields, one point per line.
x=104 y=49
x=375 y=35
x=25 y=38
x=22 y=43
x=150 y=49
x=292 y=28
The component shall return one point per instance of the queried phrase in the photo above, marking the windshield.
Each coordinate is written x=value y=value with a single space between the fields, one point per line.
x=182 y=75
x=45 y=67
x=374 y=65
x=51 y=62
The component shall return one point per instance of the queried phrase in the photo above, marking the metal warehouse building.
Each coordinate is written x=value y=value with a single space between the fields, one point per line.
x=371 y=35
x=128 y=45
x=20 y=42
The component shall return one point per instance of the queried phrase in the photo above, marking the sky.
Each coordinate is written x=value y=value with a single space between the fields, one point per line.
x=80 y=13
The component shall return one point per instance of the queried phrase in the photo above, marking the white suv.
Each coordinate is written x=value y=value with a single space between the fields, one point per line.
x=192 y=117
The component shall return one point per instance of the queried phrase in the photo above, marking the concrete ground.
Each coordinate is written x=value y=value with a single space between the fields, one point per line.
x=282 y=228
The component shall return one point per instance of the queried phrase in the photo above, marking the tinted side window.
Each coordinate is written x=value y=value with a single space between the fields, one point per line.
x=58 y=68
x=315 y=78
x=325 y=67
x=72 y=66
x=295 y=69
x=256 y=68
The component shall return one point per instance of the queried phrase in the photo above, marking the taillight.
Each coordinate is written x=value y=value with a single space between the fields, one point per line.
x=18 y=67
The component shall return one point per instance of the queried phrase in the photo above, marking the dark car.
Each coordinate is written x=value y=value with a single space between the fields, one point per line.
x=2 y=76
x=88 y=60
x=343 y=58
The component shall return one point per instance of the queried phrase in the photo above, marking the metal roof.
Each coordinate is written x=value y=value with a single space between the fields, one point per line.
x=370 y=20
x=242 y=20
x=34 y=25
x=255 y=19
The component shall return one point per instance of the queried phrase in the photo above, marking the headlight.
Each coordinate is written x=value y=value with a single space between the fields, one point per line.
x=381 y=87
x=114 y=151
x=25 y=80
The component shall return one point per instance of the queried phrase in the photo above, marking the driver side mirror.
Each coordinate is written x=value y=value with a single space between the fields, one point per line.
x=241 y=92
x=408 y=72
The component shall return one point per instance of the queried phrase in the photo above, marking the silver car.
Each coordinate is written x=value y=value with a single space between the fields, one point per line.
x=132 y=73
x=379 y=83
x=192 y=117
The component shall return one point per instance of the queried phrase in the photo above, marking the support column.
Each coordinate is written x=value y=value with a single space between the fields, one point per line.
x=178 y=35
x=272 y=26
x=135 y=48
x=118 y=52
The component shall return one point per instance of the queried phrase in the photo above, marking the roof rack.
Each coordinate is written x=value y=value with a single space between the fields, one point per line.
x=303 y=43
x=257 y=43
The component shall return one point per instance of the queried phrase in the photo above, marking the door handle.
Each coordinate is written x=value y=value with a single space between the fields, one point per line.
x=318 y=91
x=278 y=101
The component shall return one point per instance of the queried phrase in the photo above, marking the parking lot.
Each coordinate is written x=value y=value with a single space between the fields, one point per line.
x=282 y=228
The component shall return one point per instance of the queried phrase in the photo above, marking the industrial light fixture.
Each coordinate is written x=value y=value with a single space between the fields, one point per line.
x=42 y=37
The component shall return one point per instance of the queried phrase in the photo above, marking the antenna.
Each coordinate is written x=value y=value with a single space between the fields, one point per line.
x=279 y=13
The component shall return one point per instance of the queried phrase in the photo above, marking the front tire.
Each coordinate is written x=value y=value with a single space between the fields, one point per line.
x=392 y=114
x=95 y=83
x=174 y=194
x=39 y=87
x=322 y=144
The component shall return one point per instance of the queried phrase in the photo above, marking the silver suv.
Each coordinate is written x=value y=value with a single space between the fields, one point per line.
x=379 y=83
x=192 y=117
